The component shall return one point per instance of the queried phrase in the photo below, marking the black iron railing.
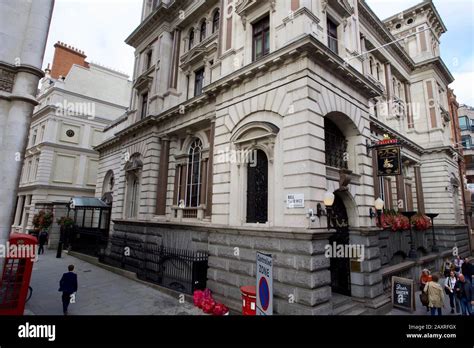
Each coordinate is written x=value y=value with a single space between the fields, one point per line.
x=177 y=269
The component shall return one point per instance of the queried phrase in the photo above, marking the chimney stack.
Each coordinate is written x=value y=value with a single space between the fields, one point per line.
x=65 y=57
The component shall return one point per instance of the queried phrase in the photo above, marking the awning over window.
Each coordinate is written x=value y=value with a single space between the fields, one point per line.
x=87 y=202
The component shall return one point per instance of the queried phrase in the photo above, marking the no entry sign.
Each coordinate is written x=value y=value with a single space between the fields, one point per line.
x=264 y=284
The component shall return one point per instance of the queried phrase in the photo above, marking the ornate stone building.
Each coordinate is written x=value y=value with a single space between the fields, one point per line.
x=77 y=101
x=246 y=114
x=23 y=41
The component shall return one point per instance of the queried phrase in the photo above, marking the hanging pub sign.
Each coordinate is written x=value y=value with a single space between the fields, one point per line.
x=388 y=161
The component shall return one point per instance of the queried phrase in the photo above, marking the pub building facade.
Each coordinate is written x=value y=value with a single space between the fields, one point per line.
x=247 y=115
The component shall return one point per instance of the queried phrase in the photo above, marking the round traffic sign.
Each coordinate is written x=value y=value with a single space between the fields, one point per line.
x=264 y=293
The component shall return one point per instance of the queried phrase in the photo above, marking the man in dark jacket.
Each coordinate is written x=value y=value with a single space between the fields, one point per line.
x=467 y=269
x=464 y=293
x=42 y=239
x=68 y=285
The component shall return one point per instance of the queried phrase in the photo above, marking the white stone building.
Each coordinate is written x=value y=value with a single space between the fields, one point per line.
x=24 y=27
x=77 y=101
x=303 y=86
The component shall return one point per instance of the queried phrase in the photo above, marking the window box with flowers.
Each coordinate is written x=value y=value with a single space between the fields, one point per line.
x=395 y=221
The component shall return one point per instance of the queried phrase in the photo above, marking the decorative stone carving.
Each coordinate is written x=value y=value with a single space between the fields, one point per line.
x=345 y=177
x=6 y=80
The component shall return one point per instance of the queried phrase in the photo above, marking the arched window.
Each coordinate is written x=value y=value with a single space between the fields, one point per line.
x=399 y=89
x=335 y=145
x=108 y=187
x=215 y=21
x=191 y=38
x=203 y=30
x=193 y=174
x=371 y=64
x=257 y=189
x=133 y=169
x=378 y=71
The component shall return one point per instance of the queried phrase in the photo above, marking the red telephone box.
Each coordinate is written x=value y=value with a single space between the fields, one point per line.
x=16 y=274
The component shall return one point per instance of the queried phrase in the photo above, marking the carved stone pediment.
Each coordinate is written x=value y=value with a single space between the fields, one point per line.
x=143 y=82
x=243 y=6
x=342 y=7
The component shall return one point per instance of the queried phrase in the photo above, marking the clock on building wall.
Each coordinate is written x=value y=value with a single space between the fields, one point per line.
x=70 y=133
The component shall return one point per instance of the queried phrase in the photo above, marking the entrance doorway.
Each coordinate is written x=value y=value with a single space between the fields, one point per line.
x=340 y=267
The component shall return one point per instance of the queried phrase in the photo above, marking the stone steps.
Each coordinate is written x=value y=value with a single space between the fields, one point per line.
x=344 y=305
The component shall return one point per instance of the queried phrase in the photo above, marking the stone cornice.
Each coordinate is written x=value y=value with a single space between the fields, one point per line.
x=366 y=13
x=29 y=187
x=427 y=4
x=439 y=66
x=404 y=141
x=78 y=149
x=163 y=12
x=314 y=49
x=22 y=68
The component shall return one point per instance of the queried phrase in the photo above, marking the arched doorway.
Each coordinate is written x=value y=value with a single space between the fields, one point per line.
x=340 y=266
x=257 y=189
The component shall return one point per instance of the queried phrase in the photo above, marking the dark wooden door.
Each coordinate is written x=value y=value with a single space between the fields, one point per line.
x=340 y=267
x=257 y=189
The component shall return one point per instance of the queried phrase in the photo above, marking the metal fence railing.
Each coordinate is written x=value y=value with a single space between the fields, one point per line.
x=177 y=269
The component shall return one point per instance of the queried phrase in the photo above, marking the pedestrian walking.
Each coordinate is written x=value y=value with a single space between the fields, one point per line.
x=464 y=293
x=42 y=240
x=467 y=269
x=435 y=295
x=425 y=278
x=446 y=267
x=68 y=286
x=458 y=263
x=449 y=286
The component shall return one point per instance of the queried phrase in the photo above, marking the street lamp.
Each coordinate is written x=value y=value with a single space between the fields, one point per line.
x=432 y=216
x=412 y=254
x=328 y=202
x=379 y=205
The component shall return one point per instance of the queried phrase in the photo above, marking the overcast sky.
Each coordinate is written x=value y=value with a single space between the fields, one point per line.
x=99 y=27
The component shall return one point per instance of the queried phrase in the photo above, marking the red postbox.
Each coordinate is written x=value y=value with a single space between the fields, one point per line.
x=249 y=300
x=16 y=275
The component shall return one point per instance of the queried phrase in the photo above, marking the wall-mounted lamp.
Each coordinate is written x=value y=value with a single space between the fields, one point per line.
x=379 y=205
x=320 y=211
x=328 y=202
x=372 y=213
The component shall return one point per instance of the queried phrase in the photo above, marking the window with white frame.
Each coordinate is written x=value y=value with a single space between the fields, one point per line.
x=193 y=174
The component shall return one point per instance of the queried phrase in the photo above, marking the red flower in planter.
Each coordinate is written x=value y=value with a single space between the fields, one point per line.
x=220 y=309
x=198 y=297
x=208 y=305
x=421 y=222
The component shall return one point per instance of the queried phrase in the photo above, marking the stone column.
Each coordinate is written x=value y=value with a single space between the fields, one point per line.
x=409 y=109
x=400 y=182
x=173 y=80
x=389 y=88
x=420 y=201
x=162 y=188
x=19 y=210
x=210 y=171
x=163 y=74
x=21 y=59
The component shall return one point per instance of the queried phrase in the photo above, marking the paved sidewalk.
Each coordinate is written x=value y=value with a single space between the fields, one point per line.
x=100 y=292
